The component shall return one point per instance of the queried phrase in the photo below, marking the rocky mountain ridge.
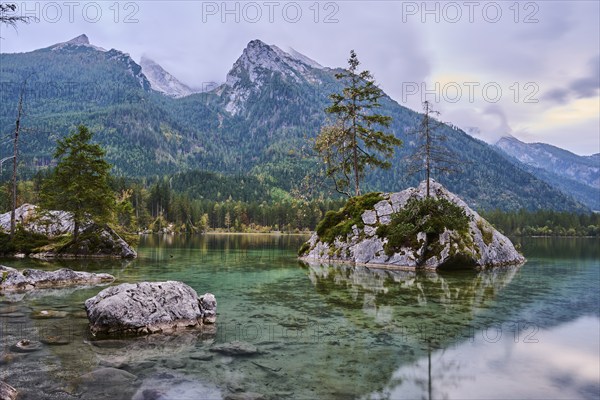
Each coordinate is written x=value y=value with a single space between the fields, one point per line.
x=260 y=122
x=578 y=176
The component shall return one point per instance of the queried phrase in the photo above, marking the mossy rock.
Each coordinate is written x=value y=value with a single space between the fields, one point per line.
x=339 y=223
x=429 y=215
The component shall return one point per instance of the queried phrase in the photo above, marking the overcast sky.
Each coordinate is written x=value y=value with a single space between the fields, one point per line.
x=530 y=69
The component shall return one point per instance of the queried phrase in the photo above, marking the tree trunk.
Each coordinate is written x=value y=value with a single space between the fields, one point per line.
x=427 y=146
x=75 y=230
x=356 y=179
x=355 y=157
x=15 y=154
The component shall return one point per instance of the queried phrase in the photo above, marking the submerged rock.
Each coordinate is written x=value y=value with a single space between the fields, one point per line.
x=29 y=279
x=26 y=346
x=482 y=246
x=245 y=396
x=235 y=349
x=107 y=383
x=7 y=392
x=149 y=307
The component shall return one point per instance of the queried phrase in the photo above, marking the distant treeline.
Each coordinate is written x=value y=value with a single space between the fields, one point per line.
x=544 y=223
x=198 y=201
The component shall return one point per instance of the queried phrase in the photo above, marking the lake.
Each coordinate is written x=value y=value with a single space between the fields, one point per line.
x=319 y=331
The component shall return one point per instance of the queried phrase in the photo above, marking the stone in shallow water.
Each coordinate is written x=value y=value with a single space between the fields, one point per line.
x=26 y=346
x=148 y=307
x=44 y=314
x=7 y=392
x=245 y=396
x=55 y=340
x=176 y=386
x=201 y=357
x=29 y=279
x=175 y=363
x=107 y=383
x=235 y=349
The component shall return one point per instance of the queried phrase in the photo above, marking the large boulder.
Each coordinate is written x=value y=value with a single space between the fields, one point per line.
x=482 y=246
x=149 y=307
x=29 y=279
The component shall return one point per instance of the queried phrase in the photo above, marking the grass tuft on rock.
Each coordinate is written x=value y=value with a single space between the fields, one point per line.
x=429 y=215
x=340 y=223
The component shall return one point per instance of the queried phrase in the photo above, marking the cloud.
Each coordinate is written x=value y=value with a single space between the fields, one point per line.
x=581 y=88
x=488 y=124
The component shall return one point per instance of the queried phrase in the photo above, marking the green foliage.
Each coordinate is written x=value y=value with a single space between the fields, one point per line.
x=354 y=141
x=544 y=223
x=487 y=233
x=339 y=223
x=429 y=215
x=23 y=242
x=79 y=183
x=304 y=249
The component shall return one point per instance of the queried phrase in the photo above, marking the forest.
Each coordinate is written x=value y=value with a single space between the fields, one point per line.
x=200 y=201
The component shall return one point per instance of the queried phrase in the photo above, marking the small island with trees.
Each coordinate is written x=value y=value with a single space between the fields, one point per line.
x=77 y=215
x=424 y=227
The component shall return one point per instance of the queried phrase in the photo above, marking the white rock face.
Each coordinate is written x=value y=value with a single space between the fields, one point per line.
x=162 y=81
x=486 y=248
x=260 y=60
x=149 y=307
x=50 y=223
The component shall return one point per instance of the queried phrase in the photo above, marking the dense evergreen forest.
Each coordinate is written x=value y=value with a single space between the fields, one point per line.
x=199 y=201
x=544 y=223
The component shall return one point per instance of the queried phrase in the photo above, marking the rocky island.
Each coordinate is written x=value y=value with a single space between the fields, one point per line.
x=408 y=229
x=50 y=235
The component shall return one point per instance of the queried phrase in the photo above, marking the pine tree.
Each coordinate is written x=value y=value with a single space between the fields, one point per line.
x=354 y=141
x=430 y=155
x=8 y=18
x=79 y=183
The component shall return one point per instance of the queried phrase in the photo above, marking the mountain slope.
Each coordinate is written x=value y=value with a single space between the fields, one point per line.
x=162 y=81
x=259 y=122
x=576 y=175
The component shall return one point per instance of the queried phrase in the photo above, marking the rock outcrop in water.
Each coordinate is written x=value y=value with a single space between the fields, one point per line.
x=29 y=279
x=479 y=246
x=149 y=307
x=94 y=240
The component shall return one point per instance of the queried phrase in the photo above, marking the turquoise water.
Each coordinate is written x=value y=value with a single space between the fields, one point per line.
x=319 y=331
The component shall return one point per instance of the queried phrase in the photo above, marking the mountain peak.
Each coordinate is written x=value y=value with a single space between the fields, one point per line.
x=259 y=56
x=162 y=81
x=256 y=66
x=79 y=40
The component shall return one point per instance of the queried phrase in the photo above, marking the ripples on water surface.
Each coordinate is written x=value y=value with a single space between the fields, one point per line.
x=320 y=331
